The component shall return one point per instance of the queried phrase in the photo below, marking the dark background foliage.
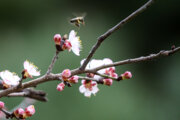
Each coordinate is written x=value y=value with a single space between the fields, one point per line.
x=26 y=32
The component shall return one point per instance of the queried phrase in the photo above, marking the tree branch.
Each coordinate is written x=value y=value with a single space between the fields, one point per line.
x=113 y=29
x=52 y=77
x=30 y=93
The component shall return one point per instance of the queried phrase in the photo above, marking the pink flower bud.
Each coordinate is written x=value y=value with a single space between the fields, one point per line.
x=114 y=75
x=19 y=113
x=29 y=111
x=57 y=39
x=67 y=45
x=126 y=75
x=74 y=79
x=112 y=69
x=60 y=87
x=1 y=104
x=66 y=74
x=108 y=81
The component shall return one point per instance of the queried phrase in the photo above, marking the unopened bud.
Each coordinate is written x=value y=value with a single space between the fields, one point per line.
x=66 y=74
x=57 y=39
x=126 y=75
x=67 y=45
x=1 y=104
x=29 y=111
x=108 y=81
x=114 y=75
x=19 y=113
x=60 y=87
x=74 y=79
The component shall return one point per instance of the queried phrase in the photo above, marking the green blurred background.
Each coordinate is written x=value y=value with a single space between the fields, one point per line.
x=27 y=28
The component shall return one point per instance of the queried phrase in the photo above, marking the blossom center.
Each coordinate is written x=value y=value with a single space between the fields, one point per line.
x=89 y=85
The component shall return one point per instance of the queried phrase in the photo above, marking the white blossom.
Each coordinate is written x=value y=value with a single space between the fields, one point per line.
x=31 y=69
x=88 y=88
x=75 y=42
x=9 y=78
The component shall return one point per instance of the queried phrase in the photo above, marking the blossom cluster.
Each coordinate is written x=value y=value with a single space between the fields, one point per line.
x=10 y=79
x=67 y=79
x=73 y=42
x=21 y=113
x=104 y=76
x=88 y=87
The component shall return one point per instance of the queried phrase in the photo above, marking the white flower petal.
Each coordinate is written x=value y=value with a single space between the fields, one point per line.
x=82 y=89
x=107 y=61
x=82 y=61
x=9 y=78
x=72 y=34
x=31 y=69
x=95 y=63
x=87 y=93
x=75 y=42
x=95 y=90
x=26 y=64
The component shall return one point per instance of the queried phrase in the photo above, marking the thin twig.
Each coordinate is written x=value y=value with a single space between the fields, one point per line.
x=140 y=59
x=113 y=29
x=52 y=63
x=105 y=76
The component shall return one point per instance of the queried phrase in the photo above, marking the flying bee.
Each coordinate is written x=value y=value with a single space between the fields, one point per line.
x=77 y=21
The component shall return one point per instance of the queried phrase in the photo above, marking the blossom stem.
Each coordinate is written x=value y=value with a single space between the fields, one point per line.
x=105 y=76
x=20 y=82
x=139 y=59
x=52 y=63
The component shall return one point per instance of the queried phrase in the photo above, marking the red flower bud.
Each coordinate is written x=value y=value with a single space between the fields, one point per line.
x=1 y=104
x=74 y=79
x=126 y=75
x=60 y=87
x=108 y=81
x=19 y=113
x=66 y=74
x=29 y=111
x=57 y=39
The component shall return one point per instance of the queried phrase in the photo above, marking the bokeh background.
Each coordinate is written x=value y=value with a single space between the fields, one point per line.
x=26 y=32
